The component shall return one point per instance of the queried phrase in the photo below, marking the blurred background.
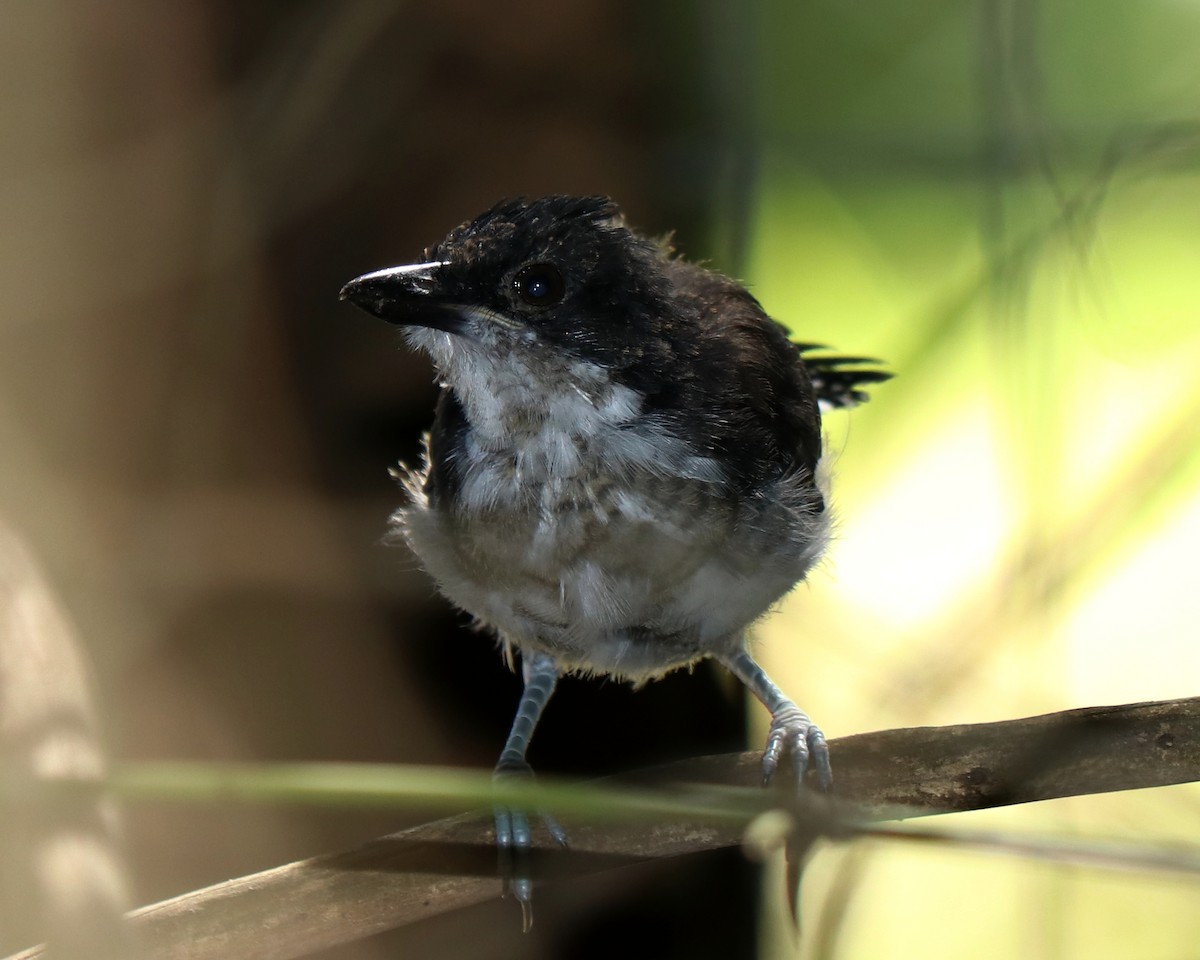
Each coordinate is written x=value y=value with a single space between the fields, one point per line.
x=1000 y=199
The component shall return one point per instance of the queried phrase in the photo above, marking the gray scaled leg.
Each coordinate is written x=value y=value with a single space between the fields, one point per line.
x=792 y=732
x=513 y=836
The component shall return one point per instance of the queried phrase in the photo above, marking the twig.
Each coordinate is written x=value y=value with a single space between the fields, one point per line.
x=399 y=879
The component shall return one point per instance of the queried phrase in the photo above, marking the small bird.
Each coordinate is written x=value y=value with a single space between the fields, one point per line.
x=625 y=466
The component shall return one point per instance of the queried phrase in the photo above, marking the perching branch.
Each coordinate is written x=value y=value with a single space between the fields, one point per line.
x=437 y=867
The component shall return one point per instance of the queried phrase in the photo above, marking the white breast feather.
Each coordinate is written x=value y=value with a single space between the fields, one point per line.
x=554 y=561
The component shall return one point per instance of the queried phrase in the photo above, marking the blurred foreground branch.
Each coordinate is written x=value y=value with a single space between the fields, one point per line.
x=448 y=864
x=62 y=872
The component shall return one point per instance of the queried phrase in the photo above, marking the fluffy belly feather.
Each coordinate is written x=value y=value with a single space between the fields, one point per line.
x=616 y=577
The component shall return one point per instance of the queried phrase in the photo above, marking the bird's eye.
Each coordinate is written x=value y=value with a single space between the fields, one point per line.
x=539 y=285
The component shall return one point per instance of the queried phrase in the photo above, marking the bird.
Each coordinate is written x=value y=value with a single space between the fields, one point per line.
x=625 y=469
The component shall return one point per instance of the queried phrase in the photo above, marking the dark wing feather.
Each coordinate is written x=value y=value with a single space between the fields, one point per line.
x=839 y=381
x=743 y=393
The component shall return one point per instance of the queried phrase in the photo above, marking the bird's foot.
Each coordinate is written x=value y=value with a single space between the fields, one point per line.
x=794 y=735
x=514 y=839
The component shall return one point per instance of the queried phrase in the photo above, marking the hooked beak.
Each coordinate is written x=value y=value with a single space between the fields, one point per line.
x=410 y=295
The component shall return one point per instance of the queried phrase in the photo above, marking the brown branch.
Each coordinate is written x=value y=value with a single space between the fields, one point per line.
x=398 y=879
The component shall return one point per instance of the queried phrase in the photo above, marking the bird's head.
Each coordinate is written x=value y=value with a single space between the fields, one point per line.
x=557 y=278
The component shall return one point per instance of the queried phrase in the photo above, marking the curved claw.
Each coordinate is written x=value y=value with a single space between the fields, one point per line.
x=793 y=734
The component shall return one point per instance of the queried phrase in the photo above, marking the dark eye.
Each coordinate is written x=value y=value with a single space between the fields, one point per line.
x=539 y=285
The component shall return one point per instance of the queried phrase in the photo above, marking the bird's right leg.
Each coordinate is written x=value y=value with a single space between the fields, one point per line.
x=513 y=836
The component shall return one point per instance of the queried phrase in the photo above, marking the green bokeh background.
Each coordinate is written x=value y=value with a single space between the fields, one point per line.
x=1000 y=198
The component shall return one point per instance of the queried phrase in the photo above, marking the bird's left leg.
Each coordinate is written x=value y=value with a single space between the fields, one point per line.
x=792 y=732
